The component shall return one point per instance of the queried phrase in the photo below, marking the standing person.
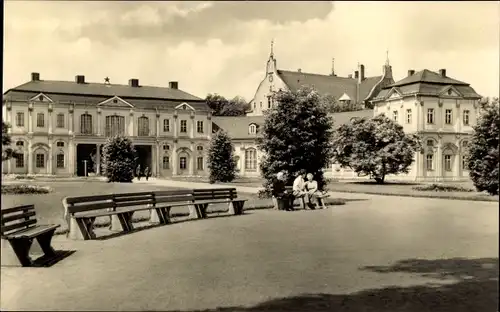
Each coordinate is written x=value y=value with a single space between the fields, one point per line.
x=311 y=191
x=146 y=173
x=138 y=172
x=279 y=191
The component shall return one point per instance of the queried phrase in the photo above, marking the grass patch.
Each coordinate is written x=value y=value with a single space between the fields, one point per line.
x=18 y=189
x=442 y=188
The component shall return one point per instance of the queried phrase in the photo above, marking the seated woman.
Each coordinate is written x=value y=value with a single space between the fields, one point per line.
x=280 y=193
x=312 y=191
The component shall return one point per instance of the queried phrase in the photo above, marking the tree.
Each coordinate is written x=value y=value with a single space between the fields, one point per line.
x=235 y=107
x=375 y=146
x=7 y=151
x=119 y=159
x=483 y=157
x=296 y=135
x=216 y=103
x=334 y=106
x=221 y=163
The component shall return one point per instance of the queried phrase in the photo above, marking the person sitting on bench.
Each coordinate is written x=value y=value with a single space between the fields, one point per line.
x=280 y=193
x=312 y=191
x=299 y=184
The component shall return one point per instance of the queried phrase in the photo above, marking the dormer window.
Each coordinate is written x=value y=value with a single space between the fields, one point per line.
x=115 y=101
x=252 y=129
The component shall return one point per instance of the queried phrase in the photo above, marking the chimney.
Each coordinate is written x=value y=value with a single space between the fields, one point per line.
x=80 y=79
x=35 y=77
x=173 y=85
x=133 y=82
x=299 y=70
x=410 y=72
x=442 y=72
x=356 y=74
x=361 y=72
x=349 y=76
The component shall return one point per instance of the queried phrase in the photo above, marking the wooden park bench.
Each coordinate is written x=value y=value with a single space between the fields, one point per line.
x=20 y=228
x=302 y=200
x=205 y=197
x=83 y=211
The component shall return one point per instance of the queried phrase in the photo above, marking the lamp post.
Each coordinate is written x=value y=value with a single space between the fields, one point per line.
x=85 y=168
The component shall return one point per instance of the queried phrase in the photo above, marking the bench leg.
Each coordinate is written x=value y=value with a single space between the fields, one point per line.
x=21 y=248
x=201 y=210
x=154 y=216
x=45 y=241
x=86 y=226
x=236 y=207
x=126 y=221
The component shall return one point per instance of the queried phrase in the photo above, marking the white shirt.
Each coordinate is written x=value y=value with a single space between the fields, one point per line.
x=298 y=184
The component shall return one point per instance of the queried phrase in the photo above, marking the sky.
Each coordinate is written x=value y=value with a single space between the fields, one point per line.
x=222 y=47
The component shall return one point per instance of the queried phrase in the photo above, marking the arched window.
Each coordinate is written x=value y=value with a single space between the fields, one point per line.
x=60 y=160
x=115 y=125
x=86 y=124
x=143 y=126
x=252 y=129
x=251 y=159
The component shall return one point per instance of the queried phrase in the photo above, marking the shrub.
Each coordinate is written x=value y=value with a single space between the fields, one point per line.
x=483 y=156
x=119 y=158
x=441 y=188
x=16 y=189
x=221 y=163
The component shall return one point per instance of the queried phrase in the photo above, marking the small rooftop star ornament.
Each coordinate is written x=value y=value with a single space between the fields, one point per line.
x=106 y=80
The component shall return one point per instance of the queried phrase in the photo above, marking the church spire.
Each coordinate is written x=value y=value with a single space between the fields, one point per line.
x=387 y=57
x=333 y=66
x=272 y=48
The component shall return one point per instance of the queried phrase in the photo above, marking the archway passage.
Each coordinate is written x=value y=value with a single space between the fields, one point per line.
x=144 y=156
x=84 y=154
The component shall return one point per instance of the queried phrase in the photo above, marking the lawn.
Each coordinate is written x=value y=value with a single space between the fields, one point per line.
x=49 y=207
x=396 y=188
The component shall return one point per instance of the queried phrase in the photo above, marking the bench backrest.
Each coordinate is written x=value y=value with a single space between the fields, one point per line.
x=88 y=203
x=17 y=218
x=173 y=196
x=218 y=193
x=133 y=199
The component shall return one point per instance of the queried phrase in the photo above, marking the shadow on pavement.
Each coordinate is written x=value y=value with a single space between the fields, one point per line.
x=476 y=289
x=46 y=262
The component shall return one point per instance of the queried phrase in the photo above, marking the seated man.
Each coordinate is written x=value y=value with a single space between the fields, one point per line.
x=299 y=184
x=312 y=191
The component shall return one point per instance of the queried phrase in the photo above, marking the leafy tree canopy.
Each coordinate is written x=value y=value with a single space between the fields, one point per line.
x=223 y=107
x=221 y=163
x=296 y=135
x=7 y=151
x=119 y=159
x=483 y=156
x=375 y=146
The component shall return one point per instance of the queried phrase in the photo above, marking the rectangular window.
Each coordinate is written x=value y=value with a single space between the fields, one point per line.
x=166 y=125
x=466 y=117
x=251 y=159
x=199 y=126
x=60 y=160
x=182 y=163
x=86 y=124
x=199 y=163
x=40 y=160
x=115 y=125
x=447 y=162
x=408 y=116
x=40 y=120
x=447 y=117
x=166 y=162
x=430 y=115
x=143 y=126
x=60 y=121
x=430 y=143
x=268 y=102
x=464 y=163
x=395 y=116
x=20 y=119
x=183 y=126
x=429 y=161
x=19 y=160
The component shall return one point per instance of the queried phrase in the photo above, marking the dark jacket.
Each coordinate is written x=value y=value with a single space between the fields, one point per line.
x=278 y=188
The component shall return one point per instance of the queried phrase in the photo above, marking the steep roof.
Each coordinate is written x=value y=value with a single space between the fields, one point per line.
x=332 y=85
x=94 y=93
x=428 y=77
x=237 y=127
x=428 y=83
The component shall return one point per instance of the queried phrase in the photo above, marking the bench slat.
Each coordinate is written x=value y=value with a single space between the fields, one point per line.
x=85 y=199
x=18 y=216
x=173 y=199
x=121 y=195
x=33 y=231
x=7 y=228
x=90 y=206
x=173 y=193
x=132 y=199
x=135 y=203
x=16 y=209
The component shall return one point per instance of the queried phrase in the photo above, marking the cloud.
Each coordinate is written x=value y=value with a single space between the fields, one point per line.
x=222 y=47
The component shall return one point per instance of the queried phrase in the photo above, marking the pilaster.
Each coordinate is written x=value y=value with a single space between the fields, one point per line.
x=50 y=121
x=50 y=162
x=174 y=157
x=191 y=158
x=98 y=159
x=71 y=119
x=242 y=160
x=99 y=122
x=191 y=125
x=131 y=123
x=71 y=156
x=176 y=126
x=30 y=117
x=30 y=155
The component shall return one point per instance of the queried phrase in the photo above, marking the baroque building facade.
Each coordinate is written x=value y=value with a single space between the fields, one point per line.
x=59 y=127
